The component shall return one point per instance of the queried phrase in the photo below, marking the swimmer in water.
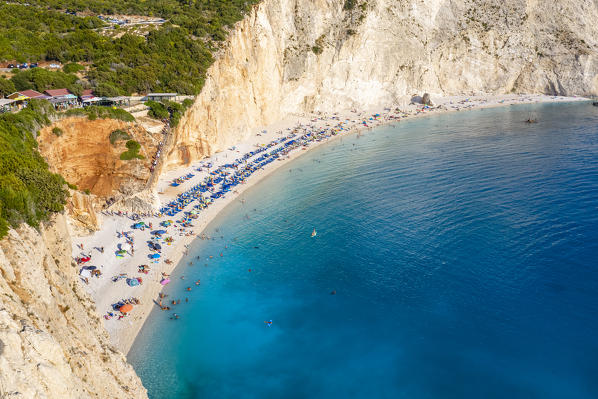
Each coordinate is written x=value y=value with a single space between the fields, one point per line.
x=188 y=288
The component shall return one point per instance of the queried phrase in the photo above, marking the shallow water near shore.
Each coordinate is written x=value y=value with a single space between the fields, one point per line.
x=462 y=249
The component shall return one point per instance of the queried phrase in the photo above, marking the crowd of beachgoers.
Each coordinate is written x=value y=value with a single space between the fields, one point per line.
x=132 y=255
x=177 y=217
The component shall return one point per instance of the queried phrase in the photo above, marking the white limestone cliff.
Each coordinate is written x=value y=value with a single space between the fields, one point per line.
x=52 y=342
x=297 y=56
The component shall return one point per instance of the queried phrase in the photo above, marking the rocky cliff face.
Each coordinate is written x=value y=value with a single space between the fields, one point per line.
x=84 y=155
x=52 y=343
x=296 y=56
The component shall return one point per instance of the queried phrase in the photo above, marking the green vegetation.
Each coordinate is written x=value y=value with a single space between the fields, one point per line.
x=317 y=50
x=168 y=110
x=132 y=152
x=118 y=135
x=41 y=79
x=57 y=131
x=157 y=110
x=72 y=68
x=350 y=4
x=94 y=112
x=6 y=87
x=29 y=192
x=171 y=57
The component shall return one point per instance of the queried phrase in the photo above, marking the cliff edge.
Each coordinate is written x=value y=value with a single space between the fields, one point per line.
x=52 y=342
x=302 y=56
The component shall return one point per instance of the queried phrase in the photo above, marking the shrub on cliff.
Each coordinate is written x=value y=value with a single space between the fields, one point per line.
x=132 y=152
x=157 y=110
x=29 y=192
x=168 y=110
x=118 y=135
x=57 y=131
x=94 y=112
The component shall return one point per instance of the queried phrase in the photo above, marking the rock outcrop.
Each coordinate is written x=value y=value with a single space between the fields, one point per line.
x=84 y=212
x=52 y=343
x=84 y=156
x=299 y=56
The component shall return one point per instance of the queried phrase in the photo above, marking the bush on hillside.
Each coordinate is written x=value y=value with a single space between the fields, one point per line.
x=132 y=152
x=29 y=192
x=94 y=112
x=118 y=135
x=6 y=87
x=72 y=67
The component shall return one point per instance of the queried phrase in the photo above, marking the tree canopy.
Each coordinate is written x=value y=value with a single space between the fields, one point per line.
x=172 y=57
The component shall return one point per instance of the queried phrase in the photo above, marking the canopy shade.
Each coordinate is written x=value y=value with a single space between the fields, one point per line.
x=126 y=308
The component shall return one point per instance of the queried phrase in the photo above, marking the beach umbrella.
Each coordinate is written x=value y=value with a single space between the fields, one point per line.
x=132 y=282
x=165 y=281
x=127 y=307
x=154 y=256
x=159 y=232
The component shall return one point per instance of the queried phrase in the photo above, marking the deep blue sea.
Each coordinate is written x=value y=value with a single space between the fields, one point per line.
x=463 y=249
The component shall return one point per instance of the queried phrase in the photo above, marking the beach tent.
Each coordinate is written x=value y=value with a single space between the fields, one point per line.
x=165 y=281
x=127 y=307
x=159 y=232
x=138 y=225
x=154 y=256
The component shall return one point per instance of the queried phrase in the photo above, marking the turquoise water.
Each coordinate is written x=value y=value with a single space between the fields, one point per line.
x=462 y=248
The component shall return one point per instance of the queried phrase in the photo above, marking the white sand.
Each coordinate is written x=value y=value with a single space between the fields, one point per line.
x=105 y=292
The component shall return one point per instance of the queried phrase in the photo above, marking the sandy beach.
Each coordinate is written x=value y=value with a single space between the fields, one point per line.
x=107 y=292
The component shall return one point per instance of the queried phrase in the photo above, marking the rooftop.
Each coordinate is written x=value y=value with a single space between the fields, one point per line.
x=57 y=92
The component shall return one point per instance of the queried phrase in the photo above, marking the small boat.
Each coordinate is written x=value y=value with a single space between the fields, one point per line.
x=314 y=233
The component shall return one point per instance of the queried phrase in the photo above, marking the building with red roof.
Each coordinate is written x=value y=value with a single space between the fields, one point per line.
x=58 y=92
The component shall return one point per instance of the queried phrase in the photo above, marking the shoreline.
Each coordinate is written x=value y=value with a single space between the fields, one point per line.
x=105 y=292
